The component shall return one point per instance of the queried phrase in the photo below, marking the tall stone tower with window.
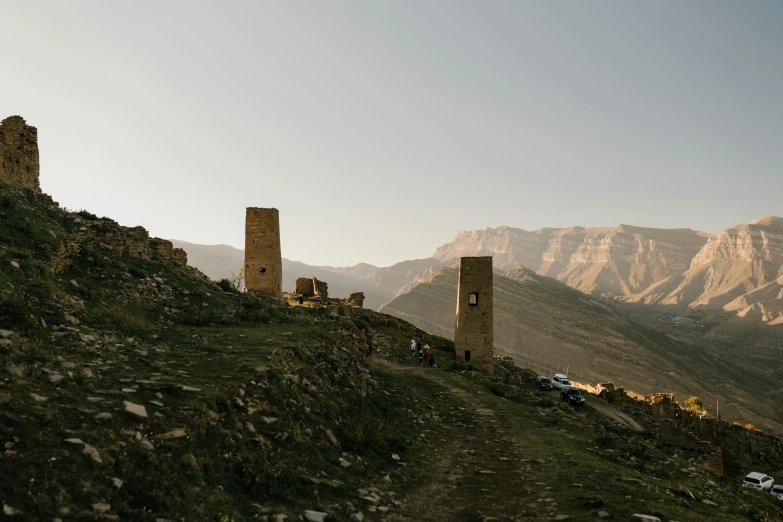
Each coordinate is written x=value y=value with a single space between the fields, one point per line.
x=263 y=258
x=474 y=329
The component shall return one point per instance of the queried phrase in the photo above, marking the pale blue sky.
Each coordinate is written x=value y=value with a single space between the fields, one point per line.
x=380 y=128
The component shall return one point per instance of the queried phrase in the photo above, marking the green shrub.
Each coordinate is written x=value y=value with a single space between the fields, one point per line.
x=695 y=403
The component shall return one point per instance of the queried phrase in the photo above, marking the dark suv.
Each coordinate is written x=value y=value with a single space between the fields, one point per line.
x=573 y=396
x=543 y=383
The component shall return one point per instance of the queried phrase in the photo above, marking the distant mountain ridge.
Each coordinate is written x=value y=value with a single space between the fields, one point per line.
x=620 y=261
x=738 y=270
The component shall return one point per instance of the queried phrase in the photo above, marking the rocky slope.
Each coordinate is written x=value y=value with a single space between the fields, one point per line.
x=739 y=270
x=550 y=327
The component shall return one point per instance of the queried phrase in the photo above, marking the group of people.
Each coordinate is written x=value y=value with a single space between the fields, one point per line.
x=424 y=354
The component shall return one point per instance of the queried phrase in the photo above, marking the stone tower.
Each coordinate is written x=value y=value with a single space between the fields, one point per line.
x=474 y=328
x=263 y=260
x=19 y=164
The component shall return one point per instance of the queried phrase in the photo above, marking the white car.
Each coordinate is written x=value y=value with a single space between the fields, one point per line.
x=561 y=382
x=777 y=491
x=757 y=480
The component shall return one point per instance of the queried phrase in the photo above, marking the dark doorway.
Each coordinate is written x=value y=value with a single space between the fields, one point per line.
x=467 y=355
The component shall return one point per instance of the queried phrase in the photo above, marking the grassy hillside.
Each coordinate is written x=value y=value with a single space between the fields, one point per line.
x=134 y=388
x=547 y=325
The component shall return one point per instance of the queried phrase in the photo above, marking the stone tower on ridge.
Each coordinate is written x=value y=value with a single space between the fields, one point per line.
x=474 y=329
x=263 y=258
x=19 y=165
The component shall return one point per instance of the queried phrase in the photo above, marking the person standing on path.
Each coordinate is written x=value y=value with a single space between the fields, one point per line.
x=413 y=346
x=427 y=349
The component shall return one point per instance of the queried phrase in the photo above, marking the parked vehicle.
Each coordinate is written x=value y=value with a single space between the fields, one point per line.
x=543 y=383
x=572 y=396
x=560 y=381
x=759 y=481
x=777 y=491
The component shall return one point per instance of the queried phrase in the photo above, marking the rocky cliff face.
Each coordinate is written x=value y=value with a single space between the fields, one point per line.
x=739 y=270
x=620 y=260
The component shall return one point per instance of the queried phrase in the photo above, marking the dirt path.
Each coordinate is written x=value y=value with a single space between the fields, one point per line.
x=616 y=415
x=477 y=471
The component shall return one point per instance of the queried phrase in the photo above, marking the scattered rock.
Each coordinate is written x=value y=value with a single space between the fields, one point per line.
x=38 y=398
x=135 y=409
x=5 y=397
x=603 y=514
x=93 y=453
x=358 y=517
x=8 y=510
x=562 y=517
x=645 y=518
x=6 y=334
x=315 y=516
x=269 y=420
x=101 y=508
x=86 y=372
x=331 y=437
x=709 y=502
x=117 y=482
x=486 y=472
x=75 y=441
x=344 y=463
x=190 y=460
x=174 y=434
x=103 y=416
x=15 y=264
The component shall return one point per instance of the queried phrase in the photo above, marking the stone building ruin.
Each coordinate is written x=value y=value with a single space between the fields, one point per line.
x=473 y=333
x=312 y=287
x=263 y=258
x=19 y=163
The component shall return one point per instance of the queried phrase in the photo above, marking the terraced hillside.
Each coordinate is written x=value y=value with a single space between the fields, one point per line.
x=548 y=326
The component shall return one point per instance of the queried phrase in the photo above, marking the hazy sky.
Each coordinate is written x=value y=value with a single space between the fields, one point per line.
x=380 y=128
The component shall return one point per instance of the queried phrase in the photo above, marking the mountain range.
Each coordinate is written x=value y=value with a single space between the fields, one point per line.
x=738 y=270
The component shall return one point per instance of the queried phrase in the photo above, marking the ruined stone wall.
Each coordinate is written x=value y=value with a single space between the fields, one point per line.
x=356 y=299
x=162 y=247
x=473 y=333
x=305 y=287
x=19 y=164
x=181 y=255
x=263 y=258
x=321 y=289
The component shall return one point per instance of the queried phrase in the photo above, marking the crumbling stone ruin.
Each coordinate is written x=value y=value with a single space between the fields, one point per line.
x=356 y=299
x=717 y=445
x=263 y=257
x=312 y=287
x=19 y=163
x=473 y=333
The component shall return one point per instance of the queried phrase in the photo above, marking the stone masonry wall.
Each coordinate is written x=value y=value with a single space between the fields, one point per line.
x=19 y=163
x=305 y=287
x=473 y=333
x=181 y=255
x=263 y=258
x=321 y=289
